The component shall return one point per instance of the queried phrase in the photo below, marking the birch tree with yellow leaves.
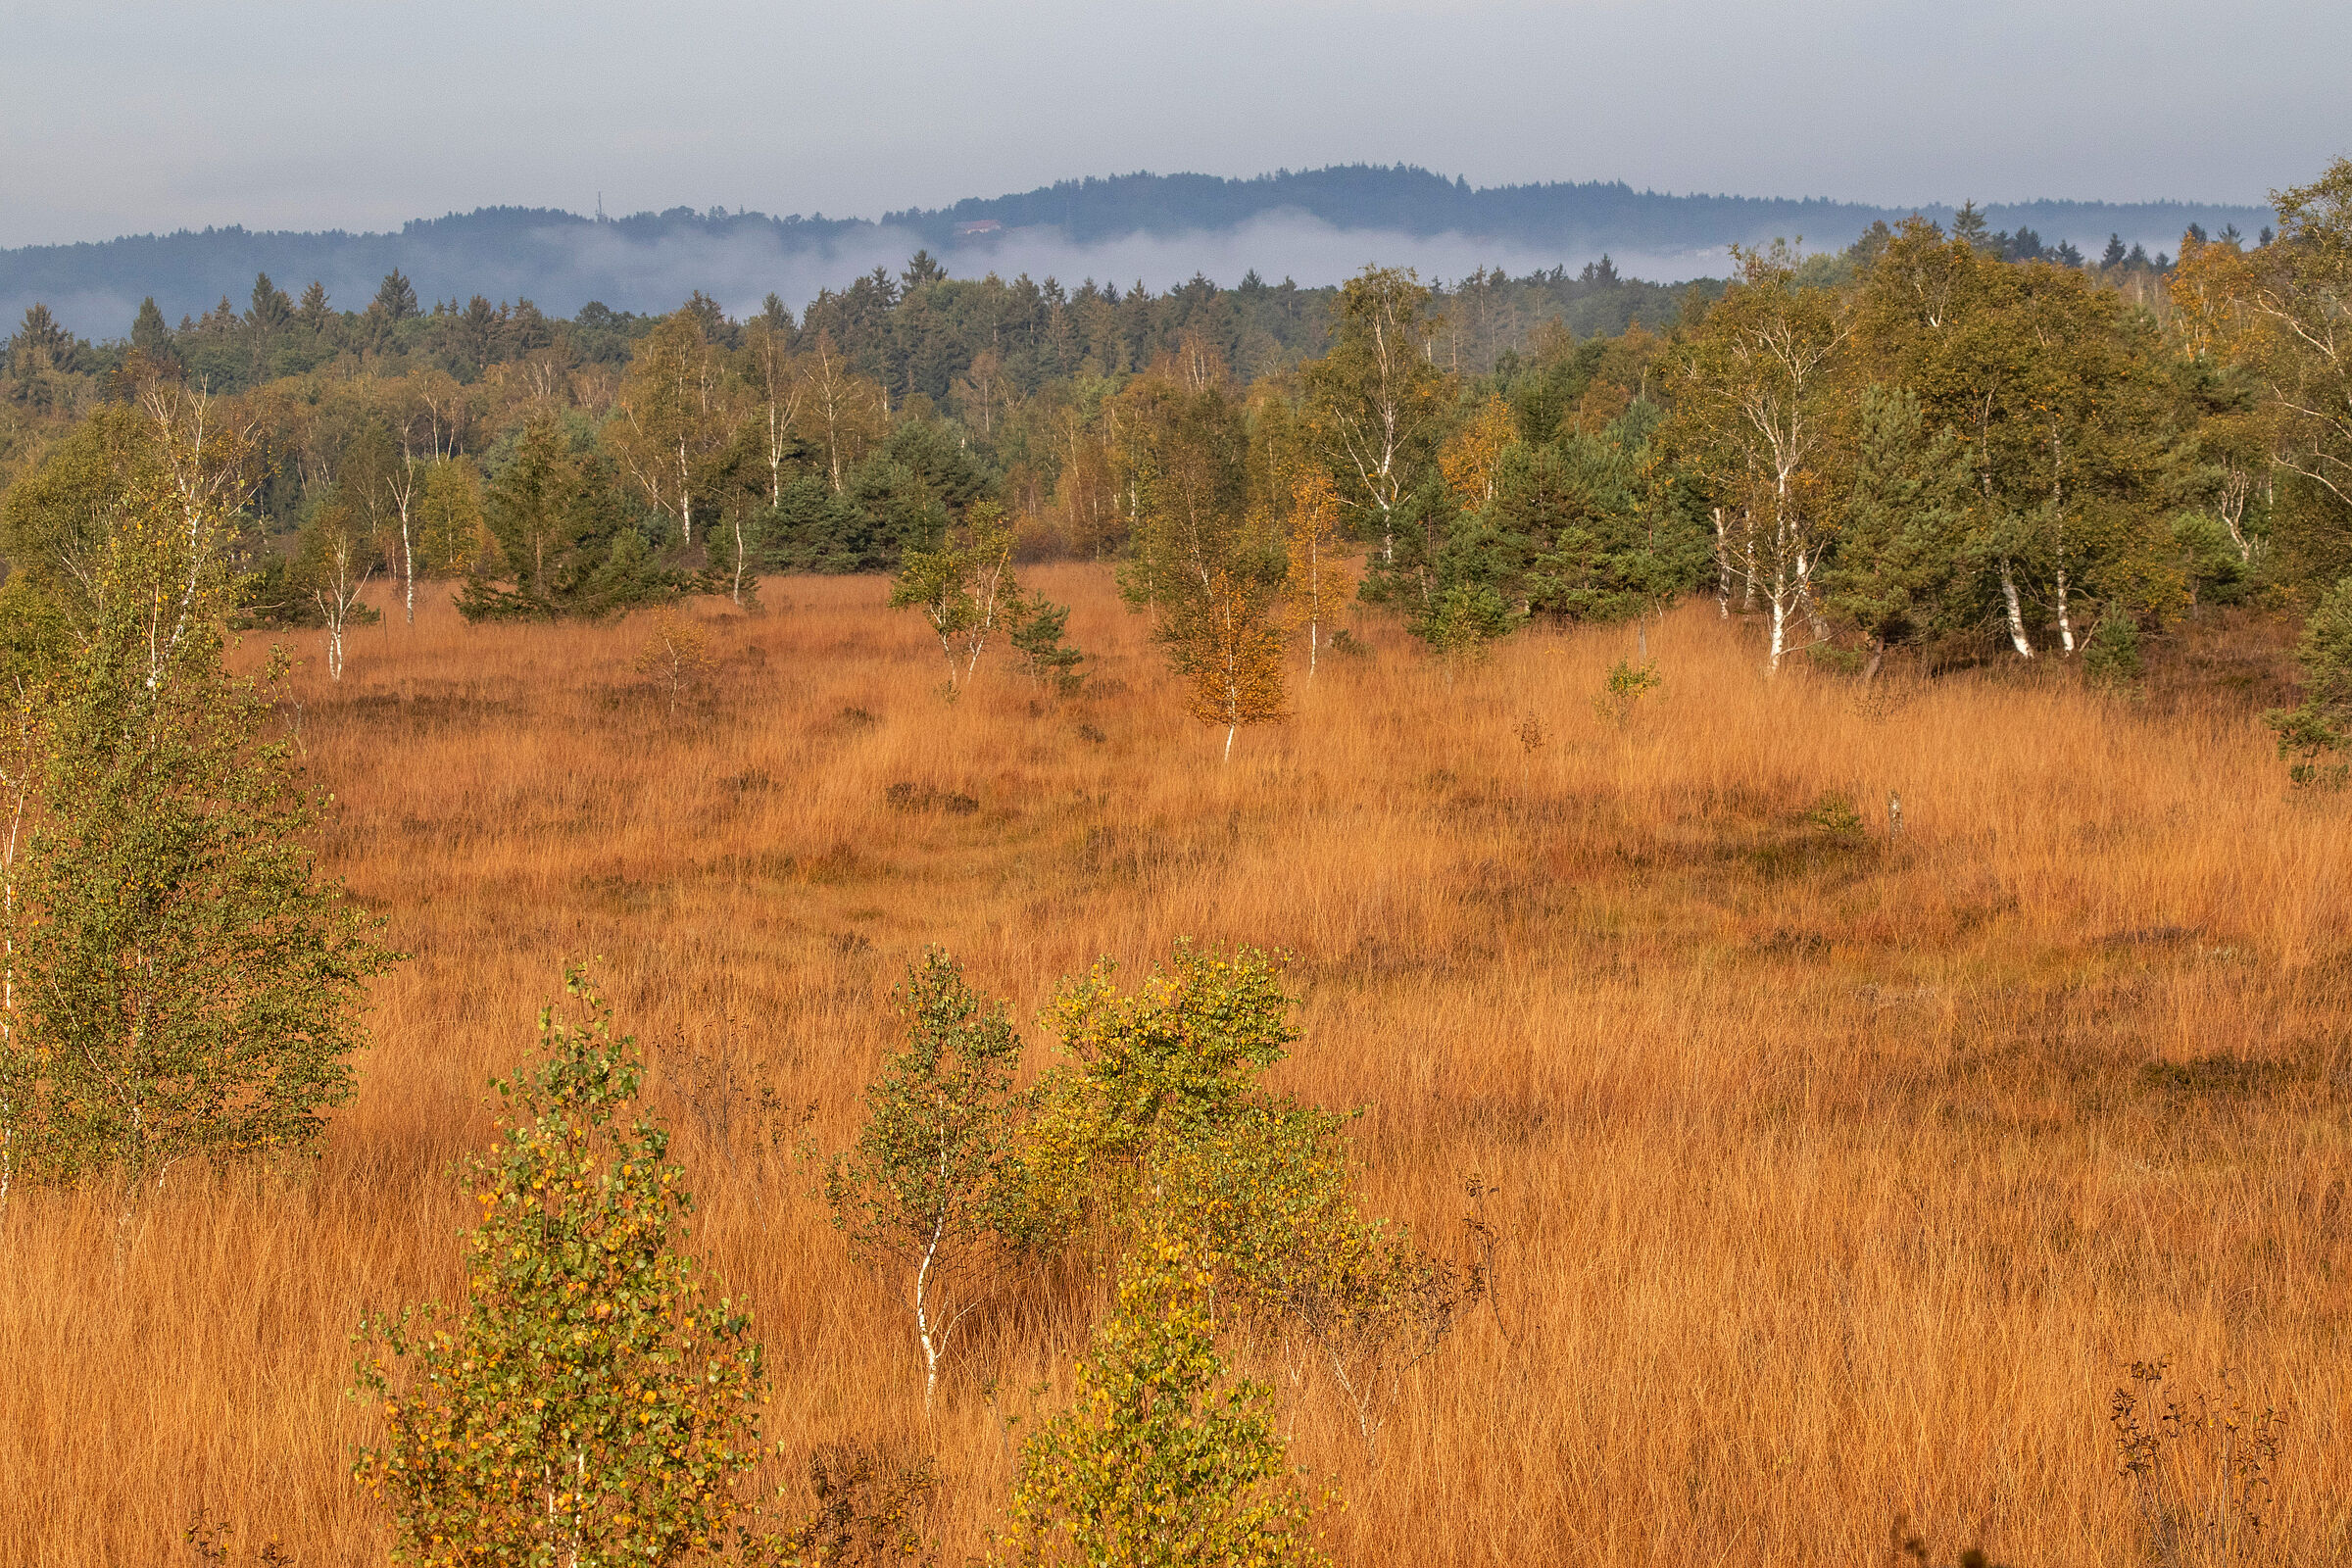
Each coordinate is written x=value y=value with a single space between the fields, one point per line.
x=1231 y=656
x=1318 y=584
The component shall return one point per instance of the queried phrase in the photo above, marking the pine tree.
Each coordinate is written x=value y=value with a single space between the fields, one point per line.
x=588 y=1404
x=1037 y=639
x=2322 y=724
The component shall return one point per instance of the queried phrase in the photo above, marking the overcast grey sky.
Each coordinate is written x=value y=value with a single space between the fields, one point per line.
x=128 y=117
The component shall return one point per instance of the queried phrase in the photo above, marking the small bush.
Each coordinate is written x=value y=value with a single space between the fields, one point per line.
x=2111 y=654
x=1623 y=690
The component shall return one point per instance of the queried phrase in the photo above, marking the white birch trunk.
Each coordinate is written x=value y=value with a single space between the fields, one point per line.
x=2017 y=619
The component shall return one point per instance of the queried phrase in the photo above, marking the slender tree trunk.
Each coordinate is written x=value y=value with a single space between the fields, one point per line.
x=2066 y=628
x=2017 y=619
x=1723 y=569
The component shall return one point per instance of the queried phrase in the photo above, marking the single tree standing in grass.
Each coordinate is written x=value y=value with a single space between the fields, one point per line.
x=1037 y=639
x=921 y=1190
x=589 y=1404
x=965 y=589
x=188 y=984
x=1231 y=658
x=1317 y=584
x=1156 y=1465
x=335 y=566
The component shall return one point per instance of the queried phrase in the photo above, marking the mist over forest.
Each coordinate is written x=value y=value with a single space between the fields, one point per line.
x=1316 y=226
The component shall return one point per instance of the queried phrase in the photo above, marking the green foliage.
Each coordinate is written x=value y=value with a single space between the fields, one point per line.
x=56 y=523
x=1170 y=1061
x=1463 y=622
x=1161 y=1463
x=1623 y=690
x=1835 y=818
x=964 y=588
x=1158 y=1106
x=1901 y=565
x=567 y=539
x=1044 y=657
x=588 y=1404
x=2111 y=652
x=2322 y=724
x=922 y=1190
x=189 y=985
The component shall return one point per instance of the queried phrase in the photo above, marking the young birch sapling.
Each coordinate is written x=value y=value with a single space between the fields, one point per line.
x=965 y=589
x=1318 y=584
x=1160 y=1463
x=589 y=1403
x=1158 y=1106
x=920 y=1194
x=1231 y=657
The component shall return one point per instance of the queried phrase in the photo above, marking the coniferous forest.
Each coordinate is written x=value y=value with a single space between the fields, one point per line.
x=1520 y=920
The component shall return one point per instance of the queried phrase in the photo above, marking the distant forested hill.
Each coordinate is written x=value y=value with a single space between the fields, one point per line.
x=1315 y=225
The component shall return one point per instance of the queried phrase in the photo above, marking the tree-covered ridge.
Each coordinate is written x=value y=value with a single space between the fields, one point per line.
x=639 y=262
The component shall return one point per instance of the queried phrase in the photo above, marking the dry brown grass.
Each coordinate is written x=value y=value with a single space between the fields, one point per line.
x=1840 y=1177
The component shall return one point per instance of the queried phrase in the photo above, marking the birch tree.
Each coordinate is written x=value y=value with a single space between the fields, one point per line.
x=190 y=987
x=1230 y=656
x=843 y=412
x=779 y=387
x=675 y=421
x=2286 y=309
x=593 y=1400
x=920 y=1194
x=335 y=566
x=401 y=485
x=1762 y=394
x=1377 y=402
x=1318 y=584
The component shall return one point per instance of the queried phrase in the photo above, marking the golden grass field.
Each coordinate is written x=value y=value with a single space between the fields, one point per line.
x=1840 y=1175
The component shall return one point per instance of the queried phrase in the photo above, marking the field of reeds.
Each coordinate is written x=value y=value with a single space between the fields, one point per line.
x=1837 y=1175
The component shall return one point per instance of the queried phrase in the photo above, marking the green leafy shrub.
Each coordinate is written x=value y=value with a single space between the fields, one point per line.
x=922 y=1190
x=1623 y=690
x=588 y=1404
x=2111 y=652
x=1159 y=1462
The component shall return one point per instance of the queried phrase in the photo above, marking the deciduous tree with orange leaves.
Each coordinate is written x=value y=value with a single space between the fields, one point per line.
x=1231 y=656
x=1318 y=583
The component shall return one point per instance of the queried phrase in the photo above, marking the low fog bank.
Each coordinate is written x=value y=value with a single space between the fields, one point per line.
x=562 y=264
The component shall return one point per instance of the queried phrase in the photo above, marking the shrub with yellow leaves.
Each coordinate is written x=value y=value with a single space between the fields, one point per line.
x=588 y=1404
x=1160 y=1463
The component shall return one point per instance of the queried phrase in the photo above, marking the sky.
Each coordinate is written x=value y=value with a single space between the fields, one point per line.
x=130 y=117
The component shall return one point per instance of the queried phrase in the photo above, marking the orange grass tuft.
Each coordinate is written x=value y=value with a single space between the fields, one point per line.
x=1839 y=1176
